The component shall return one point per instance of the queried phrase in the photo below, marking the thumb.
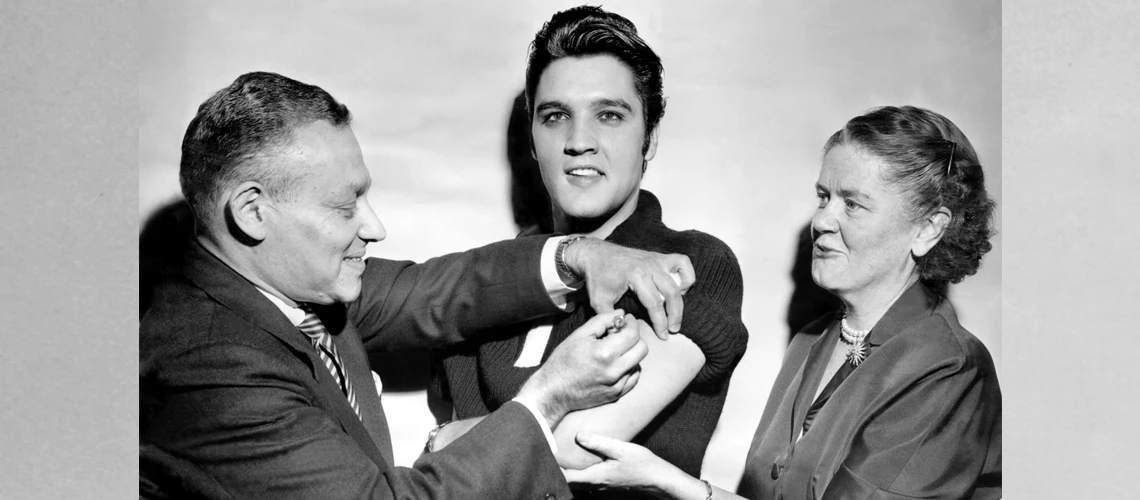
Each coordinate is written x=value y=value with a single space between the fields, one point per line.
x=607 y=447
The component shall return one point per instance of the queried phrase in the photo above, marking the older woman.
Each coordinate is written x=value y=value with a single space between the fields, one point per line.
x=890 y=397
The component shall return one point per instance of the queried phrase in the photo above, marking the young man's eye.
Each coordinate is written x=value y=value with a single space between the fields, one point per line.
x=556 y=116
x=610 y=116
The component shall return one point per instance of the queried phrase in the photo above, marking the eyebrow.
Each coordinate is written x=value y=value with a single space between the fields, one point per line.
x=846 y=193
x=545 y=105
x=596 y=103
x=359 y=188
x=851 y=193
x=617 y=103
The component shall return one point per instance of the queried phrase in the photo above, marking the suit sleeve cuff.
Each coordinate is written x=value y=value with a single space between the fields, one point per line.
x=555 y=288
x=533 y=408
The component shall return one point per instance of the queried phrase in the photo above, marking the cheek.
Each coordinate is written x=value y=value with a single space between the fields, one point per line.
x=547 y=143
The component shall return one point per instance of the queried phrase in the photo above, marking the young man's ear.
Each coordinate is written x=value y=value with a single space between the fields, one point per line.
x=650 y=149
x=930 y=231
x=246 y=211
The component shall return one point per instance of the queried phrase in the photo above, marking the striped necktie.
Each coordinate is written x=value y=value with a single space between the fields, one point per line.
x=323 y=343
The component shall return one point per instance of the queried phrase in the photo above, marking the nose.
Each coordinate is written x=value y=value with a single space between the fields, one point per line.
x=581 y=140
x=824 y=221
x=372 y=229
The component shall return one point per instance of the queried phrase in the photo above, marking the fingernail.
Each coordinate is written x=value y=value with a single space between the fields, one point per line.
x=675 y=327
x=584 y=437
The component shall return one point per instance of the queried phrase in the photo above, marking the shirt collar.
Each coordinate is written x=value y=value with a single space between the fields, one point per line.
x=295 y=314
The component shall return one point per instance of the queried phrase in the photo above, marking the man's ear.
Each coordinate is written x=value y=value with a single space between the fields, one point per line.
x=246 y=211
x=651 y=151
x=930 y=231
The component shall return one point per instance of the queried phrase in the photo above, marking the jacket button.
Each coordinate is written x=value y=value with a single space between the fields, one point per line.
x=550 y=496
x=775 y=471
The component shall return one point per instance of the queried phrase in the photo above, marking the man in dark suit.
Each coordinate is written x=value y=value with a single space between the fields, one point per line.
x=253 y=368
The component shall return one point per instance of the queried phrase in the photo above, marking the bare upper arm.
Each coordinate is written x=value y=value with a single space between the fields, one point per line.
x=668 y=368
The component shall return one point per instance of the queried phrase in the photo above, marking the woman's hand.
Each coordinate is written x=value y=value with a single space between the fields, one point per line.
x=627 y=466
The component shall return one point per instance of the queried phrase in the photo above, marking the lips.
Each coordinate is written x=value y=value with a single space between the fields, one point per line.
x=819 y=250
x=584 y=171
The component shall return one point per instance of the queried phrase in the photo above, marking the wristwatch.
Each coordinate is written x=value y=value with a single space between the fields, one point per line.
x=431 y=436
x=560 y=262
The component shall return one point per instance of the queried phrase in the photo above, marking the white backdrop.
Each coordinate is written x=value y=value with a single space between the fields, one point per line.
x=753 y=92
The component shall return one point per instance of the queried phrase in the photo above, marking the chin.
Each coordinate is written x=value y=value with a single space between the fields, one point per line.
x=346 y=296
x=585 y=204
x=823 y=279
x=589 y=210
x=345 y=293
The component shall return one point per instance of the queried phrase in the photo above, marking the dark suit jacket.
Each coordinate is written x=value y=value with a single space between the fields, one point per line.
x=236 y=403
x=919 y=418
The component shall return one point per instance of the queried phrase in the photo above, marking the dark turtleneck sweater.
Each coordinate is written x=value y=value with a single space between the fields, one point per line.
x=479 y=376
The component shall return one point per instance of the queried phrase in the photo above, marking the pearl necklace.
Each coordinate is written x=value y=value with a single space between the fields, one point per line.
x=858 y=351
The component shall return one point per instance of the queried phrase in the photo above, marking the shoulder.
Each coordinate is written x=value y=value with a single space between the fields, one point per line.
x=180 y=316
x=699 y=244
x=186 y=329
x=939 y=342
x=711 y=257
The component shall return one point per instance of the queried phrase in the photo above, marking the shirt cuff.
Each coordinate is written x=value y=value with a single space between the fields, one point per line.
x=533 y=407
x=555 y=288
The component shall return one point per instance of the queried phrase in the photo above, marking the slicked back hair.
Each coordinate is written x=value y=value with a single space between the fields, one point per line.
x=236 y=132
x=588 y=31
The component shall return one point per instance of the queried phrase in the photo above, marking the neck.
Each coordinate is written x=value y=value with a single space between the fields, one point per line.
x=598 y=227
x=865 y=310
x=240 y=258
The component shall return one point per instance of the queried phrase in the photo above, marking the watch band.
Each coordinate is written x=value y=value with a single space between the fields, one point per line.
x=560 y=262
x=431 y=436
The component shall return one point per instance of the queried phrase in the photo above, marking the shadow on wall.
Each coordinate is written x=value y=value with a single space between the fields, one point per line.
x=162 y=243
x=530 y=202
x=809 y=301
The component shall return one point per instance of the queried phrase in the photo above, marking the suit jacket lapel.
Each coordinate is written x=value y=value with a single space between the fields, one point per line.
x=814 y=366
x=914 y=304
x=232 y=291
x=355 y=359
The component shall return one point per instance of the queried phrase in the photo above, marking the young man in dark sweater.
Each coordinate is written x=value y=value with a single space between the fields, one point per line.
x=594 y=95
